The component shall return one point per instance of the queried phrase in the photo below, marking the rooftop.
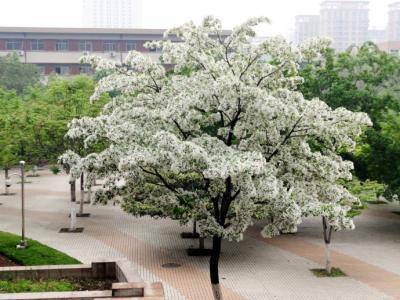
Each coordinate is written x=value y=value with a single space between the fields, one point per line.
x=81 y=30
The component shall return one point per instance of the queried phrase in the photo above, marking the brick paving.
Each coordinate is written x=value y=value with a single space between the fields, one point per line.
x=253 y=269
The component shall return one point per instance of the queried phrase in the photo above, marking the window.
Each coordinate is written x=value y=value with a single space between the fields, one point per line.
x=85 y=46
x=154 y=49
x=131 y=45
x=85 y=70
x=61 y=70
x=62 y=45
x=13 y=45
x=41 y=69
x=109 y=46
x=37 y=45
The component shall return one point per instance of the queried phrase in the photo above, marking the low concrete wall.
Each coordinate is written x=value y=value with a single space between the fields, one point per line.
x=97 y=270
x=130 y=283
x=126 y=272
x=87 y=295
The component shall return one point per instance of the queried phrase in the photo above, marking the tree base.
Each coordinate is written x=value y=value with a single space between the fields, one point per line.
x=79 y=215
x=198 y=252
x=9 y=194
x=335 y=272
x=190 y=235
x=83 y=215
x=84 y=202
x=22 y=245
x=287 y=233
x=68 y=230
x=377 y=202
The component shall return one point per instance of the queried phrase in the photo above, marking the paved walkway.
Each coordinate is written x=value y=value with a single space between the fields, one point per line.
x=253 y=269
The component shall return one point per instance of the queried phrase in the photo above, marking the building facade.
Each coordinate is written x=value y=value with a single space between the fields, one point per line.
x=306 y=27
x=377 y=36
x=393 y=28
x=345 y=22
x=112 y=13
x=59 y=50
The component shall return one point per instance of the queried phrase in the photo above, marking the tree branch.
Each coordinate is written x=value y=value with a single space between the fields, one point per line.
x=157 y=87
x=287 y=137
x=251 y=62
x=270 y=74
x=233 y=123
x=159 y=176
x=185 y=134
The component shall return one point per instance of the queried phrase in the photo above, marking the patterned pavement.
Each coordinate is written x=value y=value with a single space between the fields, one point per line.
x=255 y=269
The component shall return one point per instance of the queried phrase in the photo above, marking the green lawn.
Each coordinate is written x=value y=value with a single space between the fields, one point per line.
x=51 y=285
x=36 y=254
x=29 y=286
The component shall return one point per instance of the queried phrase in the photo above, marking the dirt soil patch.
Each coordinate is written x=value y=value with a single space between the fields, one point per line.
x=5 y=262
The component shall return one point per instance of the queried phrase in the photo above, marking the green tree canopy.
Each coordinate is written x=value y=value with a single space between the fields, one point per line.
x=15 y=75
x=363 y=79
x=33 y=125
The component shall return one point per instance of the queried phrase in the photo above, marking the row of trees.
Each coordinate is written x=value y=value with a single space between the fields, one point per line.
x=224 y=138
x=34 y=121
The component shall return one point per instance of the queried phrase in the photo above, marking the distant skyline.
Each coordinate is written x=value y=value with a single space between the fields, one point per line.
x=165 y=14
x=112 y=13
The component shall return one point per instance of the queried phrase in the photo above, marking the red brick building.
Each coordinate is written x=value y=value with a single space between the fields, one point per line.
x=58 y=50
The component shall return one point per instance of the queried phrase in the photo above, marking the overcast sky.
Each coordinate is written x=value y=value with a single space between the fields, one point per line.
x=167 y=13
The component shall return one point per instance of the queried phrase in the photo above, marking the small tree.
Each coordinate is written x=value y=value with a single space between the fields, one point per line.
x=70 y=161
x=8 y=158
x=222 y=139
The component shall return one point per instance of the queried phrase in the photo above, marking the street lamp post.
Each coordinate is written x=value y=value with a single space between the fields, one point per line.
x=23 y=244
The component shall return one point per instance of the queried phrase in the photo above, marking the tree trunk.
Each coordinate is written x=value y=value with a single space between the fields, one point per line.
x=82 y=195
x=201 y=243
x=201 y=239
x=214 y=260
x=6 y=181
x=73 y=208
x=328 y=265
x=194 y=227
x=327 y=239
x=90 y=195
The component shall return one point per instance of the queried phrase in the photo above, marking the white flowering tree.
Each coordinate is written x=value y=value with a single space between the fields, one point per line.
x=223 y=138
x=71 y=163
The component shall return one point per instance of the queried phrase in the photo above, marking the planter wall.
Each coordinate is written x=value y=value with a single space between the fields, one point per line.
x=129 y=282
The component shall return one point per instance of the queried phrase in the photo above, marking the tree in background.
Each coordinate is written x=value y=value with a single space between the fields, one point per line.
x=363 y=79
x=10 y=105
x=15 y=75
x=223 y=138
x=70 y=162
x=33 y=125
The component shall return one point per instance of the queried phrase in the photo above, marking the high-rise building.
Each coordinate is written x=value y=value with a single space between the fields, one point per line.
x=393 y=28
x=377 y=36
x=345 y=22
x=306 y=27
x=112 y=13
